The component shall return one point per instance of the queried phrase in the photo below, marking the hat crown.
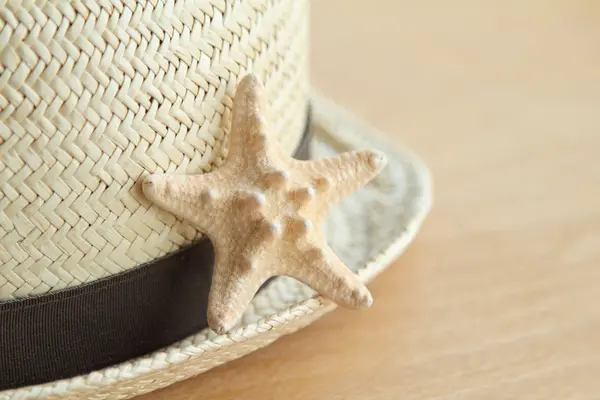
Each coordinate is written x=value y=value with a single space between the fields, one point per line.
x=94 y=95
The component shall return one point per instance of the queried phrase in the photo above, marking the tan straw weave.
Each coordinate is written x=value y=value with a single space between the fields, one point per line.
x=95 y=94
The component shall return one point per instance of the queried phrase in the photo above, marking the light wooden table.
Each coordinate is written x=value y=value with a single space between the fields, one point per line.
x=499 y=296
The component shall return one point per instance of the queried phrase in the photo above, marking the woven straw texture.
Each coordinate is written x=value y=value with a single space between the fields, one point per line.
x=368 y=229
x=96 y=94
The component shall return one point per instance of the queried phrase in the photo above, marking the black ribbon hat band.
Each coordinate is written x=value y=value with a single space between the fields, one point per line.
x=78 y=330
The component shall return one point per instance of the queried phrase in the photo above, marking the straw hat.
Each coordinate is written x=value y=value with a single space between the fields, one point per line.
x=103 y=294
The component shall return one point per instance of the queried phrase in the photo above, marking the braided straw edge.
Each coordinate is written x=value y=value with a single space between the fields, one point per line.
x=166 y=367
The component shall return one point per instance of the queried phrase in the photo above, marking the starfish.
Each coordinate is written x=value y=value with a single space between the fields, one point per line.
x=263 y=212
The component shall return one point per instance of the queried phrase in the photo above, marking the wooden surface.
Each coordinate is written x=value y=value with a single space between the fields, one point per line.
x=499 y=296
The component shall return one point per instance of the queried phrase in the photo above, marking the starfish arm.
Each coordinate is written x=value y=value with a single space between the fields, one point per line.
x=337 y=176
x=323 y=271
x=191 y=197
x=236 y=279
x=248 y=133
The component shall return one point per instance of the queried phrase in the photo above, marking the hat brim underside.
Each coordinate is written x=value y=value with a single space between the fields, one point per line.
x=367 y=229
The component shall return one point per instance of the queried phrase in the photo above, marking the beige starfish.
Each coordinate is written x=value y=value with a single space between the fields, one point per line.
x=263 y=210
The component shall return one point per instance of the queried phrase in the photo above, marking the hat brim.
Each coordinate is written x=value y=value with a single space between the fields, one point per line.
x=368 y=230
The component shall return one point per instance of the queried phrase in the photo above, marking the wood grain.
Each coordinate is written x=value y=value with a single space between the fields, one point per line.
x=499 y=297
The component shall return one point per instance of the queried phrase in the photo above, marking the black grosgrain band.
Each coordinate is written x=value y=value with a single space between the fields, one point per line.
x=82 y=329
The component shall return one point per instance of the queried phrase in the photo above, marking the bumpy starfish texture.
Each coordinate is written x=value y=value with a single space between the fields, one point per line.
x=263 y=212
